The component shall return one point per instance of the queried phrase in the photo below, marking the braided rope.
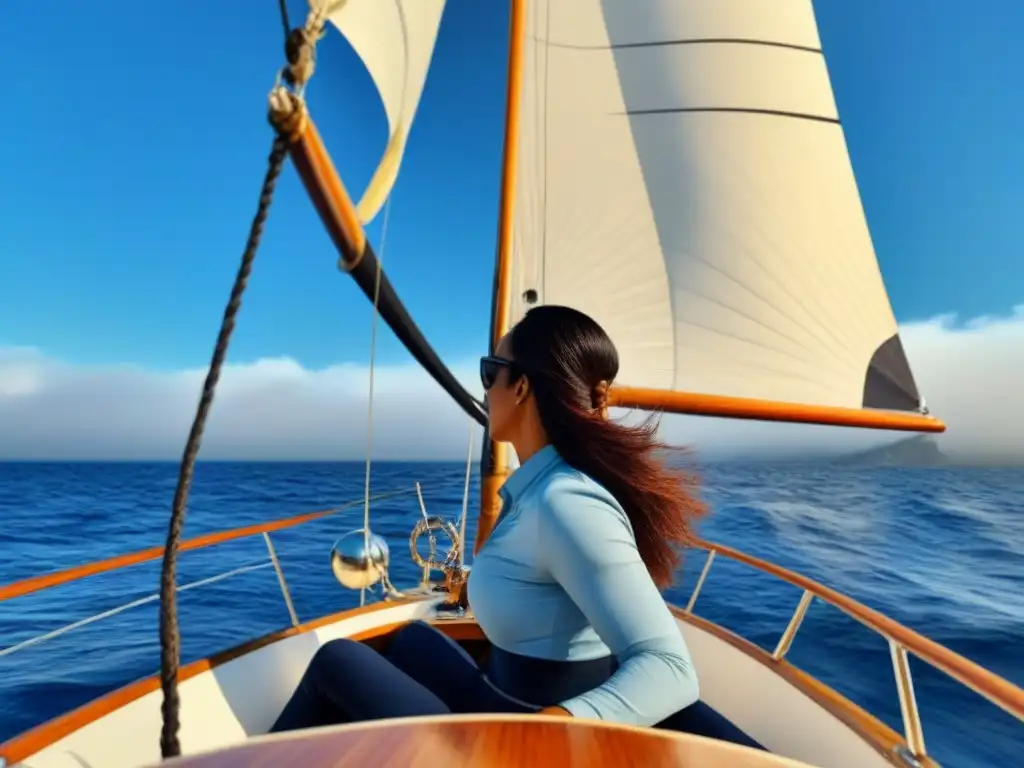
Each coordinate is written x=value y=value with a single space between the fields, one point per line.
x=170 y=639
x=287 y=113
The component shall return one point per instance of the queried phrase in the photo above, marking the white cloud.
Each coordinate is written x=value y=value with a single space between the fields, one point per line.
x=972 y=375
x=269 y=409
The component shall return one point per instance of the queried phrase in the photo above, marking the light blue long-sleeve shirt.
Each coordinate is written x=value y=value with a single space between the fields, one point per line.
x=560 y=578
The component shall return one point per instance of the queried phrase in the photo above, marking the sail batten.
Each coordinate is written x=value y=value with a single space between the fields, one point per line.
x=685 y=41
x=684 y=179
x=734 y=110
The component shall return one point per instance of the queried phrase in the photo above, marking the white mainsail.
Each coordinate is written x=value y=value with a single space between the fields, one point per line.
x=684 y=179
x=395 y=39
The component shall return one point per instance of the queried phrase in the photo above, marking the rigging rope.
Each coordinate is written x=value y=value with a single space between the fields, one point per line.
x=369 y=401
x=465 y=495
x=282 y=7
x=301 y=56
x=170 y=640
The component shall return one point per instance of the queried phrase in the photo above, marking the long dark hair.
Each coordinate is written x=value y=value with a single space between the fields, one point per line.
x=569 y=360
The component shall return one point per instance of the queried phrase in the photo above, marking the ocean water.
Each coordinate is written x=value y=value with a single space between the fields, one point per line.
x=941 y=550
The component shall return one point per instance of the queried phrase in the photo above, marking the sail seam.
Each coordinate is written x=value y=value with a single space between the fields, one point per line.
x=741 y=110
x=691 y=41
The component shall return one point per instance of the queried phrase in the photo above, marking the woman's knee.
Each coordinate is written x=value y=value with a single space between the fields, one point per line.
x=423 y=652
x=415 y=630
x=414 y=636
x=418 y=638
x=337 y=652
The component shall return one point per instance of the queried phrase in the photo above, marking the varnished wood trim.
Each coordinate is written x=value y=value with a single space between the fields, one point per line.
x=869 y=728
x=29 y=743
x=47 y=580
x=768 y=410
x=997 y=690
x=460 y=630
x=328 y=193
x=55 y=579
x=461 y=741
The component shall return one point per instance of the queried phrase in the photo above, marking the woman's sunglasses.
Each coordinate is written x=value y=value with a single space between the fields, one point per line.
x=490 y=368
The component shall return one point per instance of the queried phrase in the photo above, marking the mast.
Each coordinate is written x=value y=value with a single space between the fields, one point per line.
x=494 y=458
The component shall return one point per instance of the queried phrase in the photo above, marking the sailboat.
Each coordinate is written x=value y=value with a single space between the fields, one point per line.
x=677 y=170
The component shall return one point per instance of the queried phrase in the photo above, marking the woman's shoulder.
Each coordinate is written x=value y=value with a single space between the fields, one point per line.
x=564 y=480
x=570 y=498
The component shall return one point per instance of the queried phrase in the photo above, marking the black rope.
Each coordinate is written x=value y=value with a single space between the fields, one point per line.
x=170 y=639
x=282 y=6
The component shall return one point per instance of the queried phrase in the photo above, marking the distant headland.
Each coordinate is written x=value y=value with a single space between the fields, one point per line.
x=914 y=451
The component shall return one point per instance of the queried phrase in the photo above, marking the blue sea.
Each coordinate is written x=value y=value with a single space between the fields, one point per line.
x=941 y=550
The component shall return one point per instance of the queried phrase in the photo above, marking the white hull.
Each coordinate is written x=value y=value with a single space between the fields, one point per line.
x=229 y=703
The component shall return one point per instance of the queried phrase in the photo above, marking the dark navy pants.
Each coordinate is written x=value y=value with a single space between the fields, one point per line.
x=423 y=672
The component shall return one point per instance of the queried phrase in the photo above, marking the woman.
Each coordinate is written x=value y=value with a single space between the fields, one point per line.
x=567 y=586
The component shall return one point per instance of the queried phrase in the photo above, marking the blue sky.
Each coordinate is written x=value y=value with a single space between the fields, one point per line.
x=136 y=143
x=139 y=142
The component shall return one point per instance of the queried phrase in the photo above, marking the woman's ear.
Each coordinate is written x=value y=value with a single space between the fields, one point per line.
x=522 y=390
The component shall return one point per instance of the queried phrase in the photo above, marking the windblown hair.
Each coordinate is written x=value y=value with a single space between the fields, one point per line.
x=569 y=361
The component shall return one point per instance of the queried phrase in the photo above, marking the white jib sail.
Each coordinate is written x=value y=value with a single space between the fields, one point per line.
x=395 y=39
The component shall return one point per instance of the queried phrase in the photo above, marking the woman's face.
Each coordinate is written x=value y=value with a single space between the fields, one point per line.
x=503 y=412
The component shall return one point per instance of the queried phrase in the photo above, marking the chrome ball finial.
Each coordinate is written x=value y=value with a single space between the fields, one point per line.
x=357 y=567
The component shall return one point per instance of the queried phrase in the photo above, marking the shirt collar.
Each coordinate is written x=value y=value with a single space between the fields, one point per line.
x=527 y=473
